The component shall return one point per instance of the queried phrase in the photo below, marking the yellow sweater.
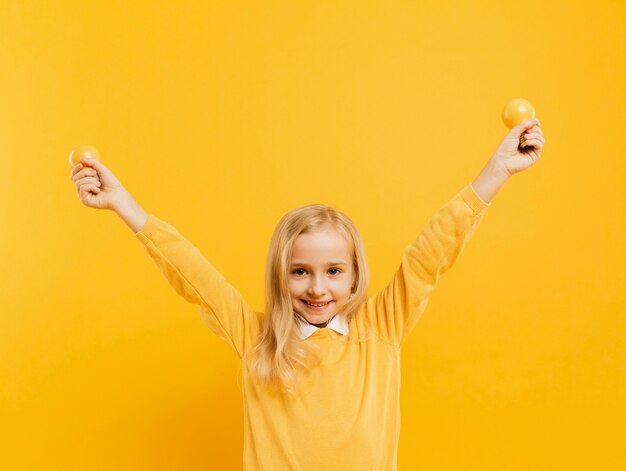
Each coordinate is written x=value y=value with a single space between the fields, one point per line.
x=347 y=414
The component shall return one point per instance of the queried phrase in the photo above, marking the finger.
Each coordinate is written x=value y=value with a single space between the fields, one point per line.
x=536 y=143
x=523 y=126
x=89 y=187
x=534 y=135
x=85 y=173
x=88 y=180
x=88 y=172
x=529 y=123
x=93 y=163
x=95 y=166
x=76 y=168
x=78 y=175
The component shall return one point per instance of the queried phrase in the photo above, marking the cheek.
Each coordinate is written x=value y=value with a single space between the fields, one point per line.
x=342 y=288
x=296 y=288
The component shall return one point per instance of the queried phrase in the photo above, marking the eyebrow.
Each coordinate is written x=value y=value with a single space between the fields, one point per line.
x=328 y=264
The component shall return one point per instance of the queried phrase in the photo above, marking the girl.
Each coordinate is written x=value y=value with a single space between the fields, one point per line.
x=321 y=367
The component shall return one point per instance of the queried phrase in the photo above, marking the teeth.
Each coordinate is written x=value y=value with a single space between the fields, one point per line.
x=316 y=305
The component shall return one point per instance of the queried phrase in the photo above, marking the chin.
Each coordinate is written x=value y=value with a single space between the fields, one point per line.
x=318 y=319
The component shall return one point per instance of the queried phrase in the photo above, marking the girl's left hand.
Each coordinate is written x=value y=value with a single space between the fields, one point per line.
x=513 y=158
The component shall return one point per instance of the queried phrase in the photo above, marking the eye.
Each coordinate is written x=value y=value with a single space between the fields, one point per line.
x=336 y=270
x=298 y=270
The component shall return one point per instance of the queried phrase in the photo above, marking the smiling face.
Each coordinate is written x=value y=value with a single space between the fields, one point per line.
x=321 y=273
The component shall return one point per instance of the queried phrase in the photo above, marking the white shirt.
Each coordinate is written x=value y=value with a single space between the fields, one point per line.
x=337 y=323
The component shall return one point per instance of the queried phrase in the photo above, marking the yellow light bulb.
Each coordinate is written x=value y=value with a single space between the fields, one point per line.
x=516 y=111
x=83 y=151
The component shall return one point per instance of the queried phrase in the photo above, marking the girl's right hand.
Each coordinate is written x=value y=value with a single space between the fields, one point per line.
x=97 y=187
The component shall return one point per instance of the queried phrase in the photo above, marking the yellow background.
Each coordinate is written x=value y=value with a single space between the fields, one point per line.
x=219 y=117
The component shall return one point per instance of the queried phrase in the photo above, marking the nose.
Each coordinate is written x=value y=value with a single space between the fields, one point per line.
x=317 y=287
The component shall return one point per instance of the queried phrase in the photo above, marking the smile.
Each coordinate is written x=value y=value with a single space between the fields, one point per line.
x=316 y=306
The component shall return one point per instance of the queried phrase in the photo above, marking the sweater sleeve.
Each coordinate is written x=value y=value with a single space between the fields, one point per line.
x=398 y=307
x=194 y=278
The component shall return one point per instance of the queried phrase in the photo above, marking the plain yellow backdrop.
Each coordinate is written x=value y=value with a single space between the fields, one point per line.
x=219 y=117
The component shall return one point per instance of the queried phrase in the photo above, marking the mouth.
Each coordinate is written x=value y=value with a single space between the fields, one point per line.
x=316 y=306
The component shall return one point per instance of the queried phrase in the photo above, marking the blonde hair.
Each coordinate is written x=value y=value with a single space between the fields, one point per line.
x=280 y=356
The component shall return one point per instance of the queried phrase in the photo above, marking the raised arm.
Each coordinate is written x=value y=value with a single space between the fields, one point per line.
x=194 y=278
x=397 y=308
x=510 y=158
x=186 y=269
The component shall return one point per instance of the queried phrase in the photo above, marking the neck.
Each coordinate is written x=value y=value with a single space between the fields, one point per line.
x=324 y=324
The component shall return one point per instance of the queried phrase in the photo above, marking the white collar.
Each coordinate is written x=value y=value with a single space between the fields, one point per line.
x=337 y=323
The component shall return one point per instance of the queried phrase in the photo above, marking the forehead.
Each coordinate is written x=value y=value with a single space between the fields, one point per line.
x=323 y=245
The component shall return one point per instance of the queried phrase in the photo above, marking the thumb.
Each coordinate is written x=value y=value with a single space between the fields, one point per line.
x=91 y=162
x=523 y=126
x=105 y=175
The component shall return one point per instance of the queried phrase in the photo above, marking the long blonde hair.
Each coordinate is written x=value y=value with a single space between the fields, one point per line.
x=280 y=356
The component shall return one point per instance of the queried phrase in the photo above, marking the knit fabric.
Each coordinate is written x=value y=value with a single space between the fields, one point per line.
x=346 y=414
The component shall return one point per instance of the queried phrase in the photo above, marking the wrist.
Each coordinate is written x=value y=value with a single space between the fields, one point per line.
x=490 y=180
x=122 y=202
x=497 y=171
x=131 y=213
